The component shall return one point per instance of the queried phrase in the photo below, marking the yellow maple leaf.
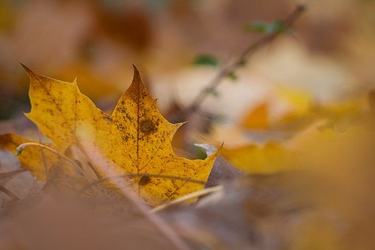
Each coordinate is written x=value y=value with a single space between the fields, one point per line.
x=135 y=140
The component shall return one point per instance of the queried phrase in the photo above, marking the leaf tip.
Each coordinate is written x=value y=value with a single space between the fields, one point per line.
x=220 y=148
x=137 y=83
x=137 y=75
x=180 y=124
x=217 y=152
x=29 y=72
x=27 y=115
x=75 y=81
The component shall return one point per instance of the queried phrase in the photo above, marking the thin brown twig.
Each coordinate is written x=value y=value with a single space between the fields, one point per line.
x=230 y=68
x=22 y=146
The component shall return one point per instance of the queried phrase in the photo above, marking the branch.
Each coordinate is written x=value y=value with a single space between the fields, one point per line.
x=230 y=68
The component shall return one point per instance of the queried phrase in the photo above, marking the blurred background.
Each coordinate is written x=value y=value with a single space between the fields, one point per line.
x=326 y=58
x=305 y=101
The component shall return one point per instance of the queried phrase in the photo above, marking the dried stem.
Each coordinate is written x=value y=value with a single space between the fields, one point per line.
x=22 y=147
x=190 y=196
x=239 y=61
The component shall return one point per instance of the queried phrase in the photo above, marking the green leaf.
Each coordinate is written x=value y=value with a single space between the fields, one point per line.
x=232 y=76
x=267 y=28
x=199 y=152
x=206 y=60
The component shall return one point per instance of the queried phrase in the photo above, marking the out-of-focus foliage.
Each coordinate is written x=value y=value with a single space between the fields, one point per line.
x=262 y=27
x=206 y=60
x=261 y=159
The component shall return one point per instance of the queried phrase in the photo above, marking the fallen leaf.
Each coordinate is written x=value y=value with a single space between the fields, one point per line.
x=134 y=141
x=257 y=159
x=257 y=118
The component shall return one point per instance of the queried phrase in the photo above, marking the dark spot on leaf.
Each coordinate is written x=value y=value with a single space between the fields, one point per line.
x=147 y=126
x=145 y=179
